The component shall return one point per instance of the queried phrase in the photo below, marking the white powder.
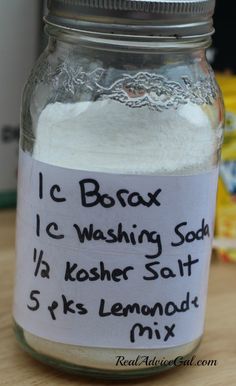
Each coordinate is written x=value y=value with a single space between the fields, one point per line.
x=107 y=136
x=110 y=137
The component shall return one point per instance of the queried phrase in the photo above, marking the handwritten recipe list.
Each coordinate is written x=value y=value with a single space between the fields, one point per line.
x=104 y=252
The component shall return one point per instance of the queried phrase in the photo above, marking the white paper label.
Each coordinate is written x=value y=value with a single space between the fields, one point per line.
x=110 y=260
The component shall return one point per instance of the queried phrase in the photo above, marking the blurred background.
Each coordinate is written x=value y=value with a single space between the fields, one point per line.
x=22 y=40
x=223 y=55
x=223 y=60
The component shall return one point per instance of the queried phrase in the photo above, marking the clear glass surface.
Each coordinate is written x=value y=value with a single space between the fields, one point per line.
x=125 y=88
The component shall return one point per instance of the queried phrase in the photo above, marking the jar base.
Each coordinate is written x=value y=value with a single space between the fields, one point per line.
x=94 y=371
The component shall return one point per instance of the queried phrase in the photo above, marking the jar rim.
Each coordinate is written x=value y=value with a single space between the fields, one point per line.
x=163 y=18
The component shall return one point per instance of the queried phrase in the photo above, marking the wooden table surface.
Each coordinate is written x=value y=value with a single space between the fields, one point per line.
x=17 y=368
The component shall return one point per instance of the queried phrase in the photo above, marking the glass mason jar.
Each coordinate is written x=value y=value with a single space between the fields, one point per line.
x=120 y=143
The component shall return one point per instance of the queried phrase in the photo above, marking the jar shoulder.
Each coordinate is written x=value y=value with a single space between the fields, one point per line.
x=135 y=83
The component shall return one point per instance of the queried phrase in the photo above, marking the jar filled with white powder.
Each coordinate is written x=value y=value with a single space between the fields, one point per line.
x=120 y=143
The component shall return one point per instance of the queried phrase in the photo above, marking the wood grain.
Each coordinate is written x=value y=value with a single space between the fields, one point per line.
x=17 y=368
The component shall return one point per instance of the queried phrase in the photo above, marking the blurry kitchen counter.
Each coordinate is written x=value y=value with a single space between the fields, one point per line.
x=219 y=343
